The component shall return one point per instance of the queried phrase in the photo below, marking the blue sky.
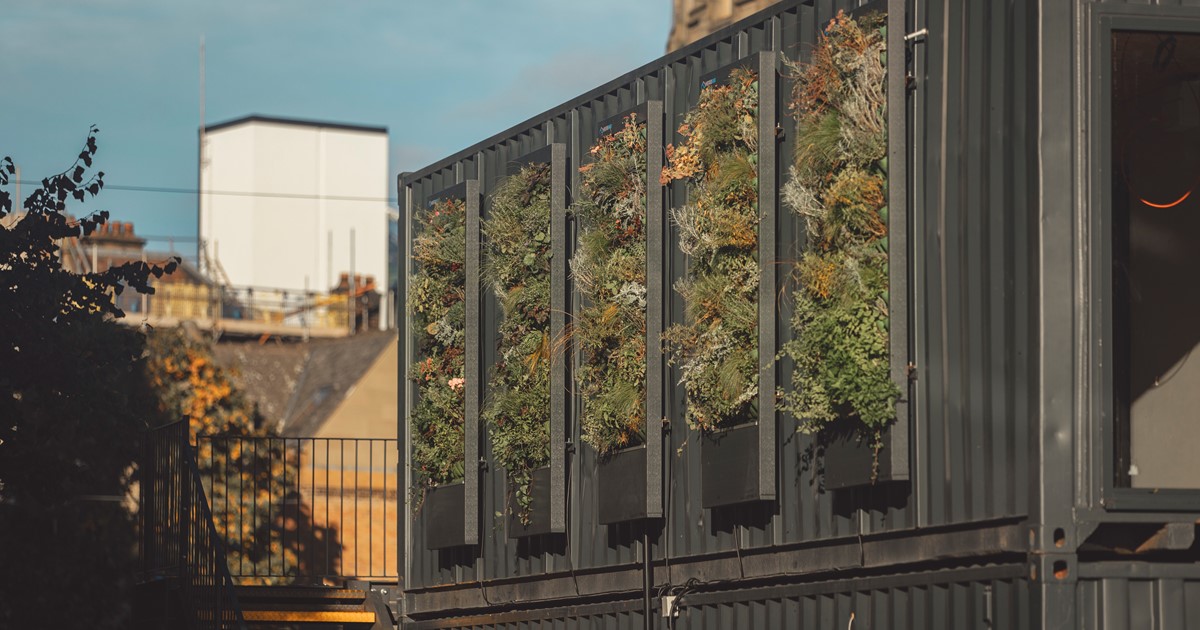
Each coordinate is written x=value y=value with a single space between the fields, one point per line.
x=440 y=74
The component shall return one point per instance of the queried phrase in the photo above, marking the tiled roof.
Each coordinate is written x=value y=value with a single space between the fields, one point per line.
x=299 y=385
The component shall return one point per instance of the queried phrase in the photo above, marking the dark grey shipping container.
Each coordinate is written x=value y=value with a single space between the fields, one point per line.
x=1017 y=510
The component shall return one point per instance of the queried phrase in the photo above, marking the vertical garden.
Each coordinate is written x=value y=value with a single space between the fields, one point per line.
x=609 y=270
x=517 y=267
x=716 y=347
x=437 y=303
x=837 y=186
x=715 y=191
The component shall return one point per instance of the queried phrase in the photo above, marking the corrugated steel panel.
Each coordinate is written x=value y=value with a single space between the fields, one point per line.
x=974 y=337
x=906 y=602
x=1138 y=604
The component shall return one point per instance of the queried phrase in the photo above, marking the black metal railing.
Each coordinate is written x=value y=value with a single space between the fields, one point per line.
x=304 y=510
x=178 y=538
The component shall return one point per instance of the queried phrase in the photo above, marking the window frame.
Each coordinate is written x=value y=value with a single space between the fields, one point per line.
x=1096 y=225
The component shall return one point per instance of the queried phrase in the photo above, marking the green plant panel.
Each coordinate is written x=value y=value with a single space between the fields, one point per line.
x=716 y=348
x=436 y=299
x=838 y=187
x=517 y=266
x=609 y=269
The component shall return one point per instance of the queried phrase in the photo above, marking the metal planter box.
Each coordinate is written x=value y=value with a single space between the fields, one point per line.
x=443 y=514
x=850 y=459
x=729 y=466
x=622 y=480
x=539 y=508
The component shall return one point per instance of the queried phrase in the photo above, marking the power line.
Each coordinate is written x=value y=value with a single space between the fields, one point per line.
x=193 y=191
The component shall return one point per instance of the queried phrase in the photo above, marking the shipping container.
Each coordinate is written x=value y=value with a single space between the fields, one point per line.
x=1040 y=471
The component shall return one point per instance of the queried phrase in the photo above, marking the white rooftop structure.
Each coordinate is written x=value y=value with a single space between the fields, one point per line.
x=283 y=200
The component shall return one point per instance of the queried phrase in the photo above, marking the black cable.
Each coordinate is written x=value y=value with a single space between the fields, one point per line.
x=193 y=191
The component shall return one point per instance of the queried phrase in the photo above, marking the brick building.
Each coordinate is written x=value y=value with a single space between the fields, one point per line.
x=693 y=19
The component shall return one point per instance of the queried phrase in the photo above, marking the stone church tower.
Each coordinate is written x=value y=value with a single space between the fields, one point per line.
x=694 y=19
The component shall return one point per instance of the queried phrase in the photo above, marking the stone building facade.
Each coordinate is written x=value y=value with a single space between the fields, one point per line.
x=694 y=19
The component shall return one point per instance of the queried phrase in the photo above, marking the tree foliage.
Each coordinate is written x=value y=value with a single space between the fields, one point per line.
x=74 y=400
x=242 y=473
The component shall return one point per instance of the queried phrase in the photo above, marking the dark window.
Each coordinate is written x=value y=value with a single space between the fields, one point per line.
x=1156 y=258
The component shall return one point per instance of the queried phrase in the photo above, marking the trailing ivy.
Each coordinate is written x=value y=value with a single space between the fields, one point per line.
x=838 y=186
x=436 y=300
x=518 y=268
x=717 y=348
x=610 y=271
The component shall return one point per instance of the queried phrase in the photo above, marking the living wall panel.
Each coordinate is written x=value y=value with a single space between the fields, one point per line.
x=617 y=544
x=435 y=565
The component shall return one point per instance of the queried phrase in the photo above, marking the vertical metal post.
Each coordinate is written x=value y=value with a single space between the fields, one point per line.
x=559 y=388
x=1054 y=566
x=205 y=265
x=897 y=233
x=647 y=580
x=404 y=355
x=473 y=373
x=768 y=198
x=655 y=252
x=352 y=288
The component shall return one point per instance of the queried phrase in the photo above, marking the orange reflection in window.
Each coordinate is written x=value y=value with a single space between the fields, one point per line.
x=1168 y=205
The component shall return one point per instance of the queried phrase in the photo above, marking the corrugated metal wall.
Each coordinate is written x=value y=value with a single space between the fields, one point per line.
x=990 y=196
x=990 y=598
x=1137 y=595
x=974 y=329
x=971 y=329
